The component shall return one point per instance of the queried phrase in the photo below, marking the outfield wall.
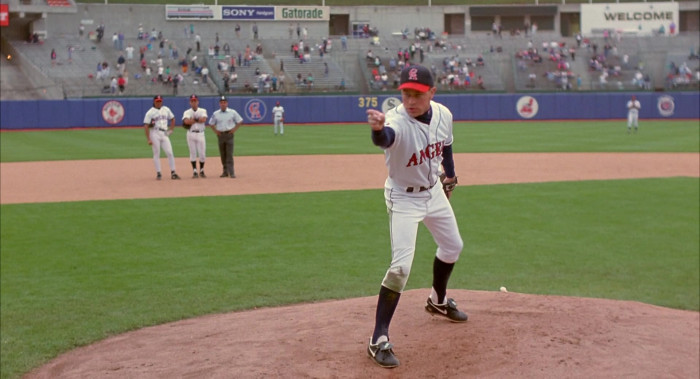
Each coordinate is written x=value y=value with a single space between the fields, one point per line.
x=116 y=112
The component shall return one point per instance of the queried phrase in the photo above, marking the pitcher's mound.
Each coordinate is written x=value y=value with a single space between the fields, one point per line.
x=507 y=335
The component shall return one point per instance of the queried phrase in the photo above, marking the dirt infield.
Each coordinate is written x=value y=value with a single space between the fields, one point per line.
x=508 y=334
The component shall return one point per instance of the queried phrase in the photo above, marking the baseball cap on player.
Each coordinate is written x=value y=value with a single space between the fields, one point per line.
x=194 y=97
x=222 y=98
x=416 y=77
x=158 y=98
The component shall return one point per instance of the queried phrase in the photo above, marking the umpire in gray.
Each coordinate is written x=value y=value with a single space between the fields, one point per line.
x=225 y=122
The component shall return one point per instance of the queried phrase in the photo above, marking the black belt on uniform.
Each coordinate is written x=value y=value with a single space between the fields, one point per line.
x=418 y=189
x=162 y=130
x=196 y=131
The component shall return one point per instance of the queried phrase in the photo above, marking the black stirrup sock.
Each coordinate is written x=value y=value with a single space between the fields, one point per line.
x=441 y=275
x=386 y=305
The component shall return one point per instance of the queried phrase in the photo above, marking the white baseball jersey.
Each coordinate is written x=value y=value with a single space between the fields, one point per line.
x=634 y=106
x=278 y=112
x=200 y=112
x=159 y=117
x=418 y=147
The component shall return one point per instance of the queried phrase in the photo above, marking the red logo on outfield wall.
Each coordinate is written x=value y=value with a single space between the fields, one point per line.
x=4 y=15
x=113 y=112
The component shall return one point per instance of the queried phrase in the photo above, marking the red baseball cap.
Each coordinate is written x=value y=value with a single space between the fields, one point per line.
x=194 y=97
x=158 y=98
x=416 y=77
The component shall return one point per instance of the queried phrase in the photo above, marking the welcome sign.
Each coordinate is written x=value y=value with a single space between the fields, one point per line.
x=639 y=18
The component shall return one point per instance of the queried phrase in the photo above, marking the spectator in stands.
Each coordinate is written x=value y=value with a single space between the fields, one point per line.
x=255 y=30
x=198 y=42
x=81 y=31
x=115 y=41
x=121 y=83
x=370 y=55
x=105 y=70
x=247 y=56
x=121 y=64
x=310 y=81
x=113 y=85
x=344 y=42
x=227 y=49
x=280 y=83
x=205 y=74
x=480 y=82
x=129 y=52
x=227 y=86
x=100 y=33
x=120 y=39
x=53 y=57
x=237 y=28
x=480 y=60
x=672 y=28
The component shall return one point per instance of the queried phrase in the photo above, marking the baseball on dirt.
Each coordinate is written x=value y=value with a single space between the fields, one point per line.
x=504 y=289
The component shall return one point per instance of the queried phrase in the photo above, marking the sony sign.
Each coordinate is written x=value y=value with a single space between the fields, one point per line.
x=243 y=12
x=638 y=18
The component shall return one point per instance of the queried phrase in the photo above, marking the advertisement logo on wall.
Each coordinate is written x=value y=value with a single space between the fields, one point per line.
x=113 y=112
x=527 y=107
x=666 y=106
x=255 y=110
x=390 y=103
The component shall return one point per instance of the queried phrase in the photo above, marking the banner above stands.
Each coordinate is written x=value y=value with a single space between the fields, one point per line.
x=247 y=13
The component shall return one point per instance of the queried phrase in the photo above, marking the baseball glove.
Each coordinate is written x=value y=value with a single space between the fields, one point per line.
x=448 y=187
x=186 y=126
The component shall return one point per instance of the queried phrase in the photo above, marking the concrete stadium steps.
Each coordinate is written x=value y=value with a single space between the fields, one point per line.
x=316 y=67
x=246 y=74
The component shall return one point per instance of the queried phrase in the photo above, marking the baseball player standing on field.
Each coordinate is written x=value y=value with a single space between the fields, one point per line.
x=225 y=122
x=416 y=137
x=159 y=123
x=278 y=114
x=194 y=120
x=633 y=107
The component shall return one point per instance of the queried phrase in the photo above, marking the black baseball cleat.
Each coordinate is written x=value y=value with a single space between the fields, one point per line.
x=201 y=174
x=224 y=175
x=382 y=354
x=174 y=176
x=448 y=310
x=195 y=175
x=159 y=176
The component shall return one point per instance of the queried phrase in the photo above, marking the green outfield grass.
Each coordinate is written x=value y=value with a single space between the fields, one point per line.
x=77 y=272
x=578 y=136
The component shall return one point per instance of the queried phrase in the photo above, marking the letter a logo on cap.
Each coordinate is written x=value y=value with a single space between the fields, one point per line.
x=413 y=74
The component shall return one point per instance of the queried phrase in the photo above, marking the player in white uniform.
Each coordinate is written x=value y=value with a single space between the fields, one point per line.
x=278 y=114
x=159 y=123
x=417 y=139
x=633 y=107
x=194 y=120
